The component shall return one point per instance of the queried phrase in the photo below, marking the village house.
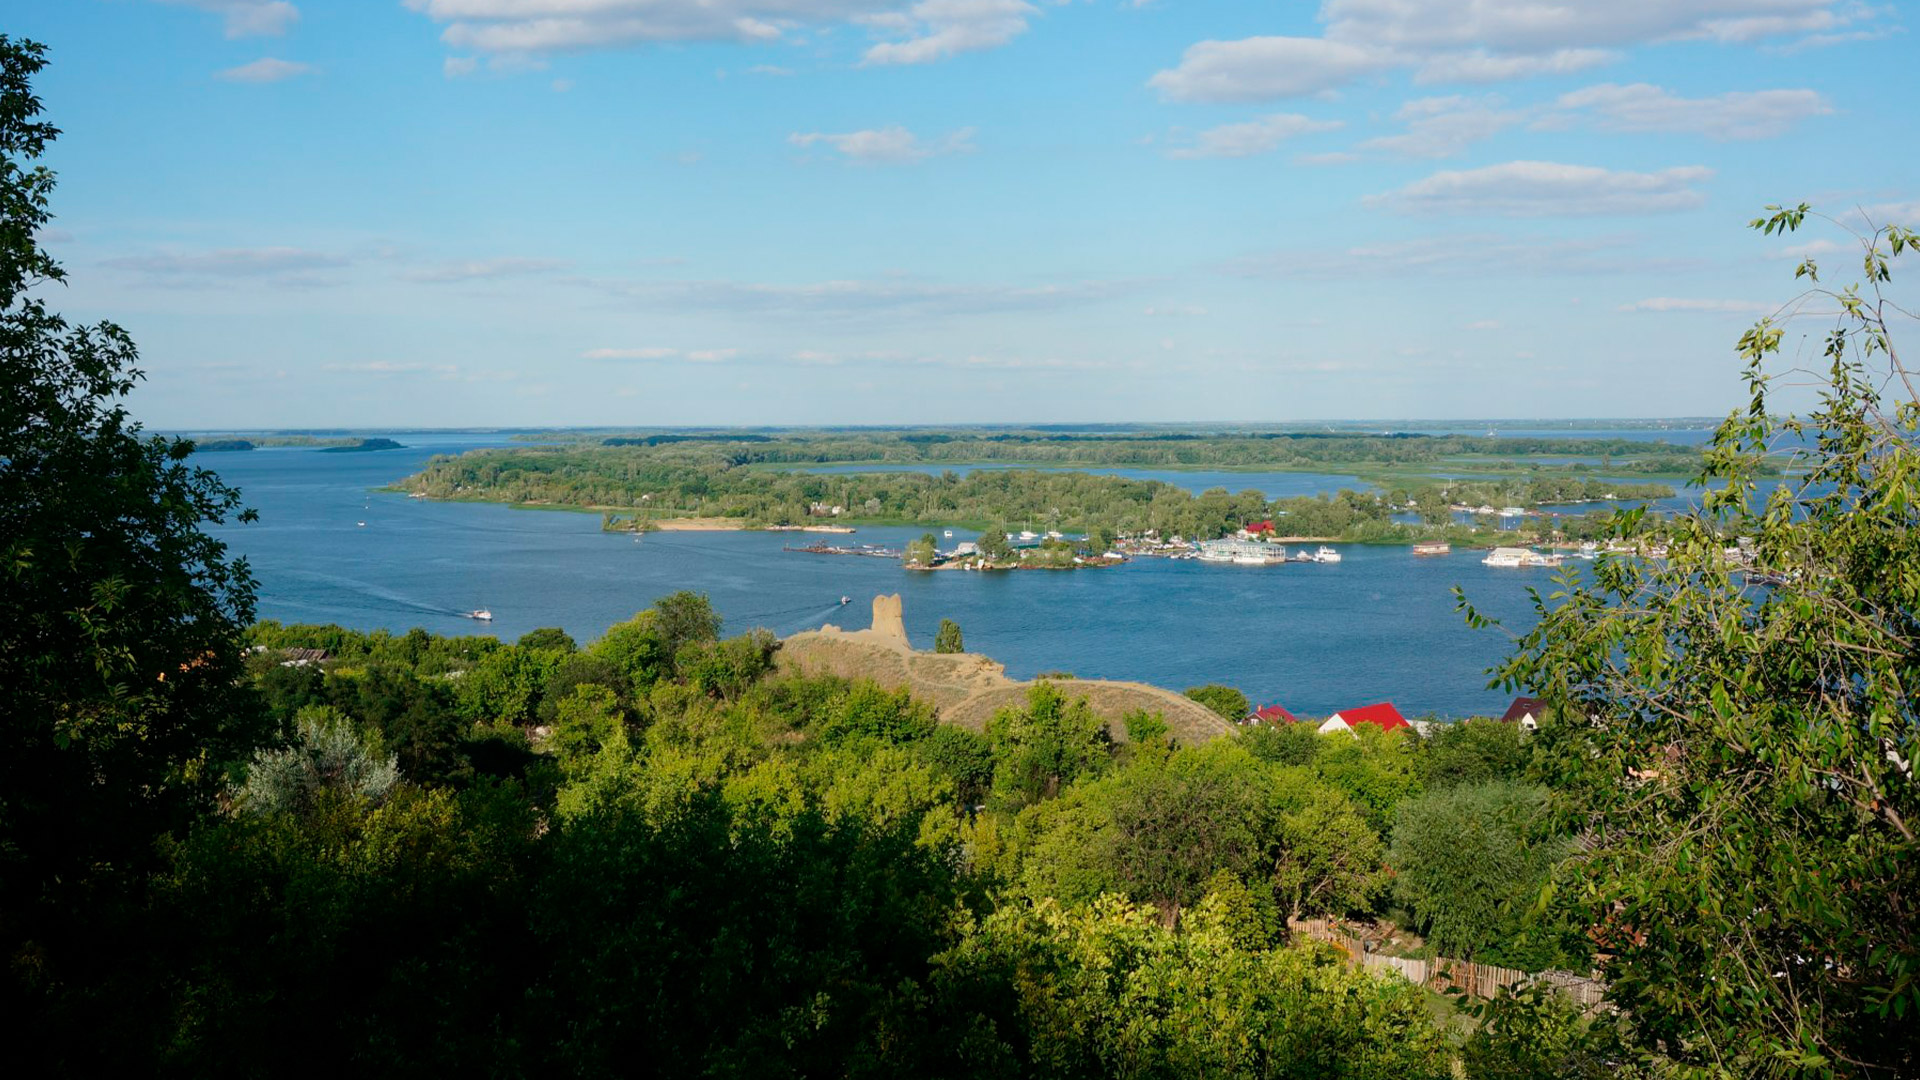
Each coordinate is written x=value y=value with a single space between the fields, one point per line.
x=1526 y=712
x=1382 y=715
x=1270 y=714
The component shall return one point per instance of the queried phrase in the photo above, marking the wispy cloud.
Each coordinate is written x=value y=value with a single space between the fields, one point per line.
x=1479 y=41
x=1547 y=189
x=1266 y=69
x=937 y=29
x=891 y=145
x=897 y=298
x=1483 y=254
x=662 y=352
x=1641 y=107
x=280 y=265
x=1440 y=127
x=247 y=18
x=484 y=269
x=1260 y=136
x=1669 y=303
x=267 y=69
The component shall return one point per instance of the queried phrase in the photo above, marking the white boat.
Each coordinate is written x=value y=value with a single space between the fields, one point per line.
x=1534 y=558
x=949 y=534
x=1432 y=547
x=1507 y=556
x=845 y=600
x=481 y=614
x=1326 y=554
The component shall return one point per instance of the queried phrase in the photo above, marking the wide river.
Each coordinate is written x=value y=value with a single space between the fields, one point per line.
x=1380 y=625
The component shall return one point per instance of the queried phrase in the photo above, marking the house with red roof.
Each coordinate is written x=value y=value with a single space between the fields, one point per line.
x=1270 y=714
x=1525 y=711
x=1258 y=527
x=1381 y=714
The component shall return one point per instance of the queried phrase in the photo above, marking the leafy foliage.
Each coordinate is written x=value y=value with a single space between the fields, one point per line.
x=1740 y=751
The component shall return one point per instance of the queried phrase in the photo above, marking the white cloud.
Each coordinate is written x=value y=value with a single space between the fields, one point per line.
x=1478 y=41
x=1893 y=213
x=1668 y=303
x=891 y=145
x=484 y=269
x=1260 y=136
x=1266 y=68
x=1546 y=189
x=1444 y=126
x=1532 y=27
x=459 y=67
x=940 y=28
x=248 y=18
x=264 y=70
x=652 y=352
x=1813 y=249
x=1480 y=66
x=1742 y=115
x=914 y=33
x=769 y=70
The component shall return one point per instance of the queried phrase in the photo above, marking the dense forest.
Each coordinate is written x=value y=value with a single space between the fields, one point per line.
x=644 y=484
x=1317 y=451
x=236 y=848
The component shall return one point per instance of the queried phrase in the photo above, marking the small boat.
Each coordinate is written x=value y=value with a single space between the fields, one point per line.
x=1326 y=554
x=1433 y=547
x=361 y=524
x=949 y=534
x=845 y=600
x=1507 y=556
x=481 y=614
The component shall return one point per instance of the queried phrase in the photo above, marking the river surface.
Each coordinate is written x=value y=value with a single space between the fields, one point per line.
x=1380 y=625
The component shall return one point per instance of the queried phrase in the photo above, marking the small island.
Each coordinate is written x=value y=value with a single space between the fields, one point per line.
x=361 y=446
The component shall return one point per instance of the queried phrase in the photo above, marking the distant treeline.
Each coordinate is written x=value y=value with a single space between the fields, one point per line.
x=1342 y=451
x=341 y=444
x=699 y=481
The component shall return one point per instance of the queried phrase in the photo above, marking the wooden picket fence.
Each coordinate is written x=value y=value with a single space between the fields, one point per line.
x=1443 y=973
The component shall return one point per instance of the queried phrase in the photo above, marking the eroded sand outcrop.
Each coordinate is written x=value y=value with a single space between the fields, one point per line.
x=966 y=688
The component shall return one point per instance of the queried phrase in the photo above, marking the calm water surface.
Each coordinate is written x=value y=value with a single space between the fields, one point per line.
x=1380 y=625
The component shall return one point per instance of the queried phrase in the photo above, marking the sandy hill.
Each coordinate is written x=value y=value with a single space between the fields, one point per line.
x=966 y=688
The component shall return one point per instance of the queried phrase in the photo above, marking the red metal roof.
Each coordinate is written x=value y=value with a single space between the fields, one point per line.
x=1273 y=714
x=1260 y=527
x=1382 y=714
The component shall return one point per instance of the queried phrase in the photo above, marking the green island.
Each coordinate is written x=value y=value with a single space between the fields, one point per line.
x=326 y=443
x=752 y=480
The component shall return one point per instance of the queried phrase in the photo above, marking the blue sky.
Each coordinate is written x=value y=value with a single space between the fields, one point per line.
x=447 y=212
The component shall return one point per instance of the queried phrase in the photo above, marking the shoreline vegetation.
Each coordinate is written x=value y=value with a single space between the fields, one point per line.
x=750 y=481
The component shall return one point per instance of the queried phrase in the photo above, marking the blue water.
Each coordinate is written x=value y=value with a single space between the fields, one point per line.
x=1316 y=638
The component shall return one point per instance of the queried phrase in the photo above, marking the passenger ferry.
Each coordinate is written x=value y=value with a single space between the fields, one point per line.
x=1433 y=547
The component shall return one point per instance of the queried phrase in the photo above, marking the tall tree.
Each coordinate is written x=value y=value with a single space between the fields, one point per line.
x=119 y=617
x=1739 y=747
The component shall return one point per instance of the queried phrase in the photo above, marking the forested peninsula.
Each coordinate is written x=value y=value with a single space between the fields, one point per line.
x=756 y=480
